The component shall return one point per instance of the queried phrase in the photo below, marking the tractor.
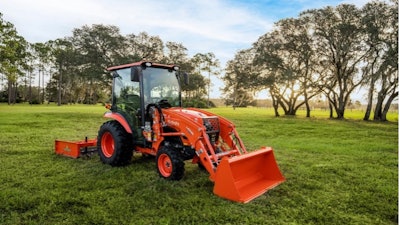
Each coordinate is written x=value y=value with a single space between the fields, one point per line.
x=146 y=116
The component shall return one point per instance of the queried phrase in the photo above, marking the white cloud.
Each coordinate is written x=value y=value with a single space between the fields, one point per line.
x=196 y=24
x=219 y=26
x=208 y=19
x=201 y=26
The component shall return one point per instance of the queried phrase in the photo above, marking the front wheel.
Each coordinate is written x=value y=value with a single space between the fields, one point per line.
x=169 y=164
x=114 y=144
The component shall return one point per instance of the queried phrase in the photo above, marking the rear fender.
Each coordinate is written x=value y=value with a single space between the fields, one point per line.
x=118 y=117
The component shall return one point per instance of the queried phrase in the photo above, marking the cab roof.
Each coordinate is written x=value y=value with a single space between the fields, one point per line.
x=139 y=64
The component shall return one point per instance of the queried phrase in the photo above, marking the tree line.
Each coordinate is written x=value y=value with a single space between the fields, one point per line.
x=76 y=65
x=325 y=53
x=329 y=52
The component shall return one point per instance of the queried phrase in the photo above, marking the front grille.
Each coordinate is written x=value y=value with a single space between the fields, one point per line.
x=212 y=128
x=211 y=124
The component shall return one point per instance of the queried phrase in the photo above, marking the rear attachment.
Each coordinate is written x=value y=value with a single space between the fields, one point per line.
x=76 y=149
x=245 y=177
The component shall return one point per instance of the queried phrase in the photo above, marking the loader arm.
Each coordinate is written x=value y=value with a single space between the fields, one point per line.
x=238 y=175
x=194 y=134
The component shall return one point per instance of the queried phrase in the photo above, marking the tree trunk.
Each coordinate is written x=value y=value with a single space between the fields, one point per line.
x=330 y=110
x=378 y=107
x=39 y=101
x=275 y=104
x=370 y=98
x=276 y=111
x=308 y=109
x=9 y=92
x=282 y=104
x=59 y=86
x=340 y=113
x=15 y=92
x=387 y=105
x=340 y=110
x=43 y=94
x=290 y=112
x=30 y=93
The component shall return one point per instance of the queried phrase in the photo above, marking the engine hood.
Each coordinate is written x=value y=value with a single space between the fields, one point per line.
x=189 y=113
x=175 y=116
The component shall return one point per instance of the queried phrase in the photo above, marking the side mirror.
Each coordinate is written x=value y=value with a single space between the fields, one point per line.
x=135 y=73
x=186 y=78
x=115 y=74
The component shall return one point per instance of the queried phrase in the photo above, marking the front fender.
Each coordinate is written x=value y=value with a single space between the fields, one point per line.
x=121 y=119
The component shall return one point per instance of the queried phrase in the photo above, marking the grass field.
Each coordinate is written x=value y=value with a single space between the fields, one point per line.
x=337 y=172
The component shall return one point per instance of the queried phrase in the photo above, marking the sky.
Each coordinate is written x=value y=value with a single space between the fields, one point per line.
x=222 y=27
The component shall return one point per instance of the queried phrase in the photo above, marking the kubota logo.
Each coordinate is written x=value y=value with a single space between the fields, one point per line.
x=173 y=123
x=67 y=149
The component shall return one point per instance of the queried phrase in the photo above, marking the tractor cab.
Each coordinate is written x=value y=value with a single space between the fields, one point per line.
x=138 y=86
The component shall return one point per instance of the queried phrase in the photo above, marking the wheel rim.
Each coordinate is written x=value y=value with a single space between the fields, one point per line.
x=107 y=144
x=164 y=165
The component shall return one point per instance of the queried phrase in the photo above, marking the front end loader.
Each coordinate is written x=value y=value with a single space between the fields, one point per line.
x=146 y=116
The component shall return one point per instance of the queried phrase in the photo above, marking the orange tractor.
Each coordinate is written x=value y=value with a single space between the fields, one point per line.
x=146 y=116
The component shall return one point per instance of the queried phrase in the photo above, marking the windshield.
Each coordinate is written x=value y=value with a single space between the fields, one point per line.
x=160 y=84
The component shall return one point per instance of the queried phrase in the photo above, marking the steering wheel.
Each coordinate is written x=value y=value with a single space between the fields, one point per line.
x=163 y=103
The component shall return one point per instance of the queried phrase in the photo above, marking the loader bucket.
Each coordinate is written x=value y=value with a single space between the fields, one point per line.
x=245 y=177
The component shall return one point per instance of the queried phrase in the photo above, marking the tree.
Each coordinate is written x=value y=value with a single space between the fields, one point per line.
x=99 y=47
x=176 y=53
x=144 y=46
x=194 y=92
x=41 y=56
x=208 y=64
x=285 y=58
x=240 y=79
x=337 y=37
x=65 y=80
x=78 y=63
x=12 y=57
x=29 y=75
x=380 y=23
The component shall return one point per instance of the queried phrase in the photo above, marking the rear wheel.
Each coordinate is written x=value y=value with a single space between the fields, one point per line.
x=169 y=164
x=114 y=144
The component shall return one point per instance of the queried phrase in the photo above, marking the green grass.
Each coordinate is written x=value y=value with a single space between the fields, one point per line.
x=338 y=172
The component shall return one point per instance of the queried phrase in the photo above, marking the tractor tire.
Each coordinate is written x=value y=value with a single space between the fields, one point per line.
x=114 y=144
x=170 y=164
